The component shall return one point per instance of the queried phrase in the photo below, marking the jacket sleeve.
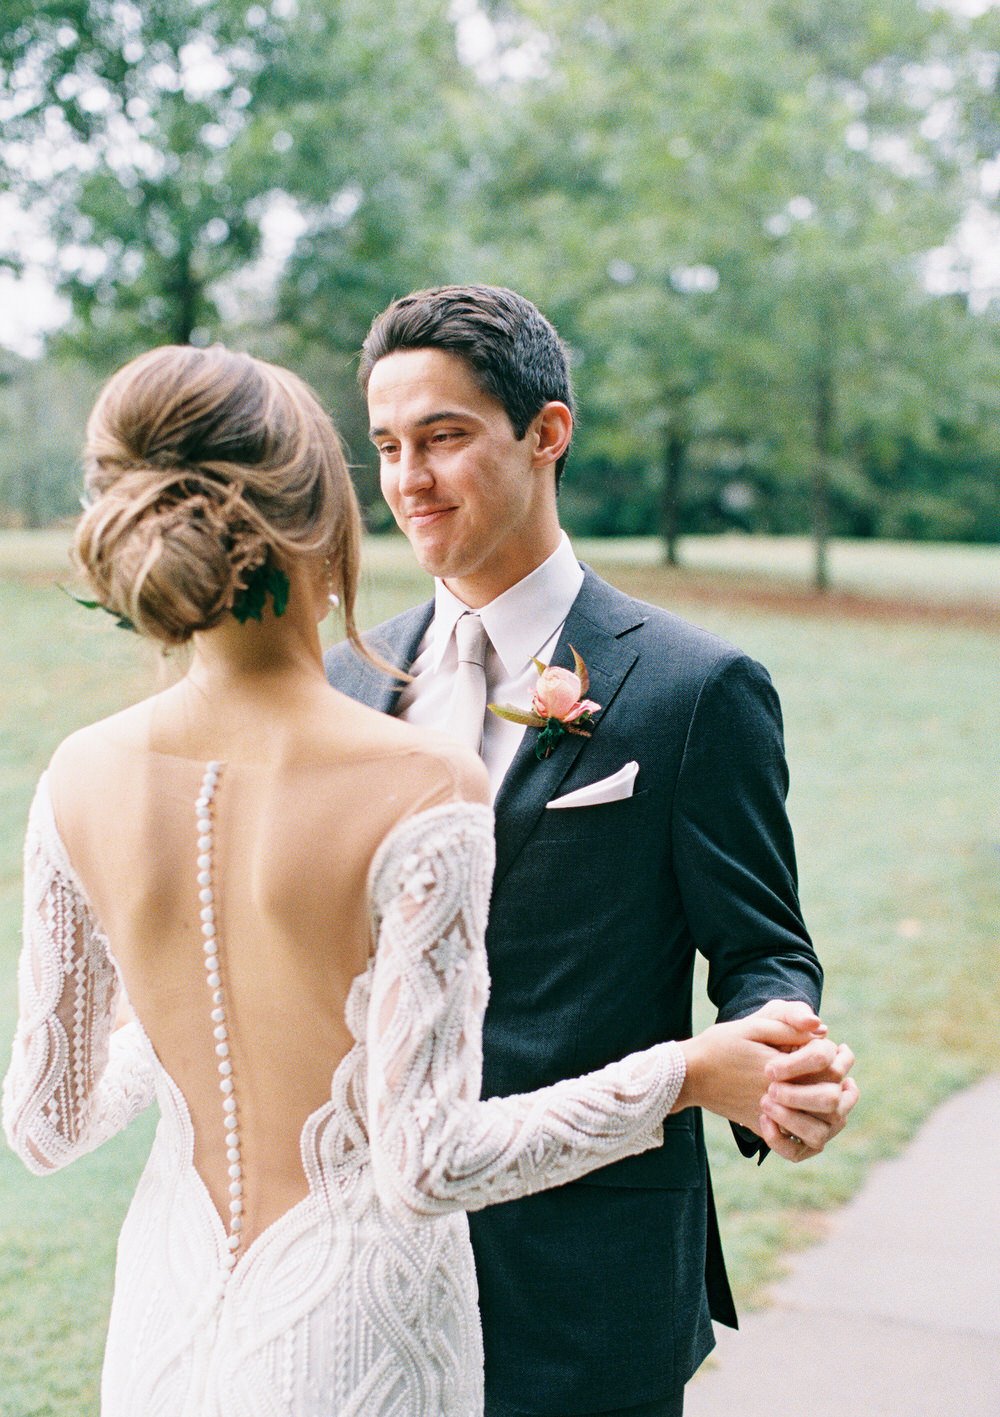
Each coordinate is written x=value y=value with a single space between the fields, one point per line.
x=435 y=1146
x=74 y=1080
x=734 y=855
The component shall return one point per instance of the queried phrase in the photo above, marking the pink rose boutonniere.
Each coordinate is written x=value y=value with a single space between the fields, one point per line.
x=558 y=705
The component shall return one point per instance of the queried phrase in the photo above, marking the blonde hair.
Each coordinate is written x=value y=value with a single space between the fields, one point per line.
x=201 y=464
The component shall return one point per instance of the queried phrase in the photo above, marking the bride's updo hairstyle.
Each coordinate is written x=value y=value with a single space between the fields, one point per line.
x=200 y=465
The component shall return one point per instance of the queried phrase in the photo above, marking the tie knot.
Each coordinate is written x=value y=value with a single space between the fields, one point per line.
x=471 y=640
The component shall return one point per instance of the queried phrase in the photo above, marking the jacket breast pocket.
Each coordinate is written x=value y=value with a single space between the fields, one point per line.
x=674 y=1166
x=599 y=823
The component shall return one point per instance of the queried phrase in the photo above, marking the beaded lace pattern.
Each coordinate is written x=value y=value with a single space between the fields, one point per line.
x=360 y=1301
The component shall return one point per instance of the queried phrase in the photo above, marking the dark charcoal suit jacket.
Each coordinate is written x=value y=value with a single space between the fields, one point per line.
x=597 y=1295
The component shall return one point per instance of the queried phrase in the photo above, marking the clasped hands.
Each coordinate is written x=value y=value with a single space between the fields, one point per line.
x=777 y=1073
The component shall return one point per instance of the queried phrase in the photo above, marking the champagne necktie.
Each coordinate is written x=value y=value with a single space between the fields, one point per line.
x=468 y=700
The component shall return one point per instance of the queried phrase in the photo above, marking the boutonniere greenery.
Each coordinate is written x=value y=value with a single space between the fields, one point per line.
x=558 y=706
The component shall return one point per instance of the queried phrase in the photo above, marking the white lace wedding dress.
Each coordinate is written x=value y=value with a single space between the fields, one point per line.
x=359 y=1299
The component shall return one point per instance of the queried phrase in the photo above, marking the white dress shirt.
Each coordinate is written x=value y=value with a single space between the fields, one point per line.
x=523 y=624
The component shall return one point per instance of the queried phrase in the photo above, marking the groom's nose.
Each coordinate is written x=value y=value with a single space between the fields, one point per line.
x=414 y=471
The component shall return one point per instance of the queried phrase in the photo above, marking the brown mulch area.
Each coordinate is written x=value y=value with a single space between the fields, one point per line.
x=788 y=598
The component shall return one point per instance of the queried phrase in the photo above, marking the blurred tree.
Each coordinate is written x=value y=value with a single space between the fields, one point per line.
x=726 y=209
x=735 y=204
x=369 y=120
x=120 y=120
x=936 y=475
x=164 y=143
x=836 y=335
x=43 y=405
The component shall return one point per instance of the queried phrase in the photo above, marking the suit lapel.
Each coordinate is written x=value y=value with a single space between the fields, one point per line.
x=600 y=615
x=398 y=642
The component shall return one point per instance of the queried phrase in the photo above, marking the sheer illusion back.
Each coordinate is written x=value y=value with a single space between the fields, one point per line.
x=302 y=943
x=238 y=916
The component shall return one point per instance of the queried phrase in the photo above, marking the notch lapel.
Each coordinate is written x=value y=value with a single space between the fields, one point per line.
x=599 y=616
x=397 y=641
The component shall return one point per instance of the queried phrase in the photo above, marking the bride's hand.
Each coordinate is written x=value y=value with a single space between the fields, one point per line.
x=730 y=1068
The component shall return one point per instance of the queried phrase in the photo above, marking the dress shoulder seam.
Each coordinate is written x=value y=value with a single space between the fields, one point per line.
x=42 y=818
x=471 y=813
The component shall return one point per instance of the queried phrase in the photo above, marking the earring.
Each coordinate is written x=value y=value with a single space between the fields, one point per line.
x=332 y=595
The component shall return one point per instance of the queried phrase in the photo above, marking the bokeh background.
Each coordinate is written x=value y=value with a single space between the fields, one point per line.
x=767 y=229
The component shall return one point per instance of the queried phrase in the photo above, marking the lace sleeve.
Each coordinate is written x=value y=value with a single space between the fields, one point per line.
x=435 y=1146
x=73 y=1081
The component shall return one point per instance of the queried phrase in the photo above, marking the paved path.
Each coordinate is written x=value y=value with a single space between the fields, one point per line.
x=897 y=1312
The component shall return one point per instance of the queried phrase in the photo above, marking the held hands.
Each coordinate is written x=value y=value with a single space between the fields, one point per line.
x=775 y=1072
x=809 y=1098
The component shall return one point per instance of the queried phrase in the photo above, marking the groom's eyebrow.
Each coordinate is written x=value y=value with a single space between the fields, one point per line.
x=440 y=416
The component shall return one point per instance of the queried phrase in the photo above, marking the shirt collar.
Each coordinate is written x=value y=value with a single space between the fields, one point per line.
x=521 y=620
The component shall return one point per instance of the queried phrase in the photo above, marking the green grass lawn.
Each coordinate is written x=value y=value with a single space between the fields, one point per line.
x=937 y=573
x=892 y=733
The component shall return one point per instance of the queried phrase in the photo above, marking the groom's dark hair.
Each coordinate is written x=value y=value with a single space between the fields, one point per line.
x=514 y=353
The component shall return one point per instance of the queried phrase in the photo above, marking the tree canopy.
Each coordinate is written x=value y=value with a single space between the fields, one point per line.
x=734 y=212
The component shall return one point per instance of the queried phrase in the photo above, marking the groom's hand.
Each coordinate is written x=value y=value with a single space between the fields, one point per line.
x=776 y=1073
x=808 y=1099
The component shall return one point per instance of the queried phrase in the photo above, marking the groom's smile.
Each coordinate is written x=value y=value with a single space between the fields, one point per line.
x=423 y=517
x=476 y=503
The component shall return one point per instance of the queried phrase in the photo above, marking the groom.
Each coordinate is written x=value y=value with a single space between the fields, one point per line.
x=618 y=856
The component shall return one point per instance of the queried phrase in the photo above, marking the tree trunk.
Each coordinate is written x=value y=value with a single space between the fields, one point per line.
x=184 y=292
x=29 y=491
x=27 y=499
x=823 y=416
x=670 y=498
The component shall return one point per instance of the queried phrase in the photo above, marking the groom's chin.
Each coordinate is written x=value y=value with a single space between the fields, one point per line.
x=431 y=556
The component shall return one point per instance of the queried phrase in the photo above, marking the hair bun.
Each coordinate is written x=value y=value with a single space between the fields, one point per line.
x=201 y=463
x=168 y=559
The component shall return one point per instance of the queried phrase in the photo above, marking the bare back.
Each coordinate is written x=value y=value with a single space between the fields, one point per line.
x=294 y=832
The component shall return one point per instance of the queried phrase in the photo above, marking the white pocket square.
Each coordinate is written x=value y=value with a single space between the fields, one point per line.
x=610 y=789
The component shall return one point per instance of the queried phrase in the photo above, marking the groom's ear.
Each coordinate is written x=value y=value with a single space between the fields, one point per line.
x=551 y=428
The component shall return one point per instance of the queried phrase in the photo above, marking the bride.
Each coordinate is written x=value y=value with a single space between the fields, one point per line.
x=285 y=894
